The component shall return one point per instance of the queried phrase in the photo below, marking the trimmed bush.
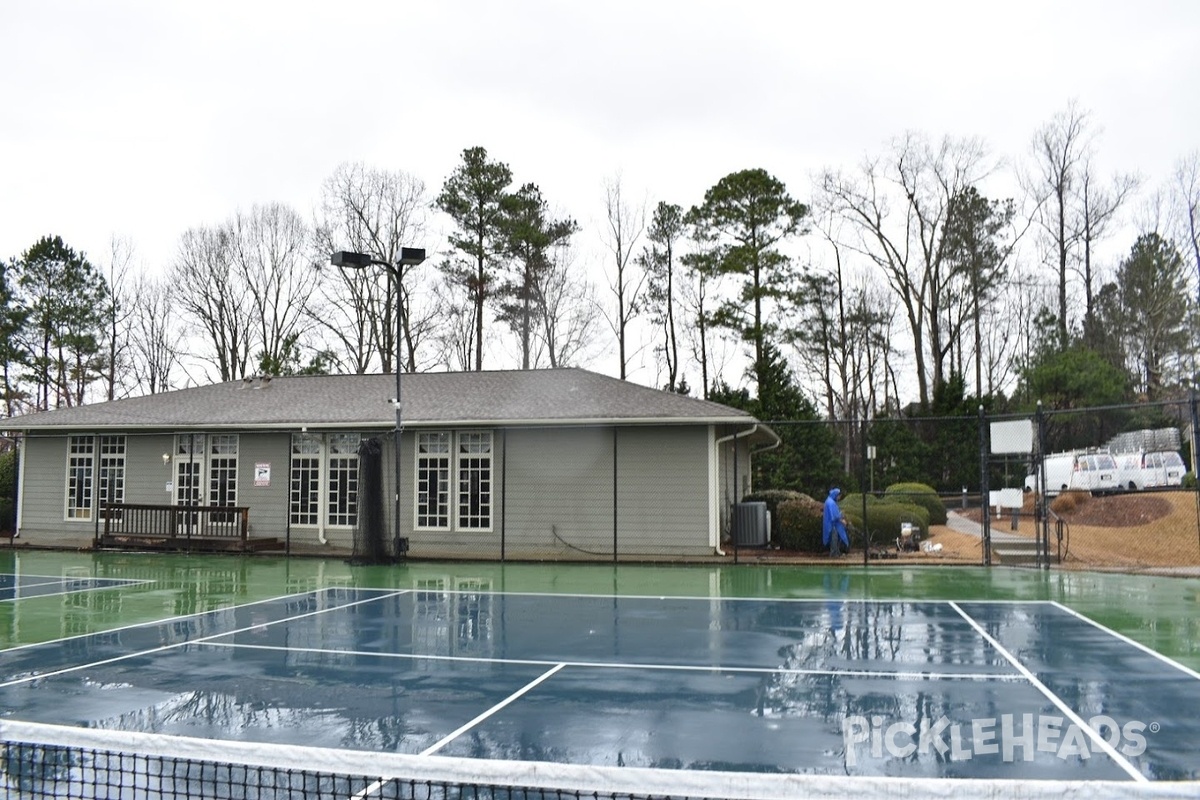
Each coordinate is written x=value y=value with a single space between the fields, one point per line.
x=884 y=520
x=796 y=525
x=1189 y=481
x=773 y=497
x=919 y=494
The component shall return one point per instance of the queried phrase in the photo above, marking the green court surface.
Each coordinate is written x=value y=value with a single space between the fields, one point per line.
x=1162 y=613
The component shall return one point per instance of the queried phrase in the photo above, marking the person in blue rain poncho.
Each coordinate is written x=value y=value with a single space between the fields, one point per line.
x=833 y=526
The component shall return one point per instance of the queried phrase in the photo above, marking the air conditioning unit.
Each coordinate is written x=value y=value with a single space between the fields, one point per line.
x=751 y=524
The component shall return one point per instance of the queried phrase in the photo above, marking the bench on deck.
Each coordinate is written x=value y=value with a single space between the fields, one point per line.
x=178 y=527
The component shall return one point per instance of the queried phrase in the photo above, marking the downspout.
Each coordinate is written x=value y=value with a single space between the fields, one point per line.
x=19 y=443
x=720 y=441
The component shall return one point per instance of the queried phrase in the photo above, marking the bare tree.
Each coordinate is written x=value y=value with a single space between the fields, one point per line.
x=624 y=226
x=1060 y=152
x=155 y=341
x=210 y=292
x=454 y=339
x=374 y=212
x=1187 y=182
x=118 y=314
x=569 y=312
x=1097 y=208
x=898 y=206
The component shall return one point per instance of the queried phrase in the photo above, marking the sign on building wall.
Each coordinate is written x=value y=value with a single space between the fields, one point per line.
x=262 y=474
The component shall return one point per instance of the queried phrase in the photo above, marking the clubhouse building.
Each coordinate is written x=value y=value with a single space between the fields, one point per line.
x=537 y=464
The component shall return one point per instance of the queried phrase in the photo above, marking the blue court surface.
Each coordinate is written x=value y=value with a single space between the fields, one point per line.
x=941 y=689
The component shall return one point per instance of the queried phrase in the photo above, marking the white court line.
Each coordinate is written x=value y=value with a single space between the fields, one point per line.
x=200 y=640
x=512 y=697
x=63 y=593
x=1002 y=677
x=181 y=617
x=1094 y=735
x=1181 y=667
x=935 y=602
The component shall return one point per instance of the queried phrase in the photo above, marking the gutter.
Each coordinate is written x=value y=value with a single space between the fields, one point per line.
x=753 y=429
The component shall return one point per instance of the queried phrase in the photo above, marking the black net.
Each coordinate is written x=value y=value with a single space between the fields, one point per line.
x=45 y=771
x=370 y=535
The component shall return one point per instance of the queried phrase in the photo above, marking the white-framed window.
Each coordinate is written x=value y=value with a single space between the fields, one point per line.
x=305 y=486
x=189 y=464
x=222 y=469
x=475 y=480
x=341 y=489
x=81 y=454
x=323 y=485
x=433 y=480
x=111 y=484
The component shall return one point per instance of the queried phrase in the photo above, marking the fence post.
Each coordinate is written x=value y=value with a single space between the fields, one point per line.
x=985 y=516
x=862 y=482
x=1043 y=513
x=1195 y=469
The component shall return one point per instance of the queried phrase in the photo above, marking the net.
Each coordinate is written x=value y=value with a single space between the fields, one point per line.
x=48 y=761
x=370 y=538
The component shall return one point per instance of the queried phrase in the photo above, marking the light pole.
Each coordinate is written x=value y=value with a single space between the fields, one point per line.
x=409 y=257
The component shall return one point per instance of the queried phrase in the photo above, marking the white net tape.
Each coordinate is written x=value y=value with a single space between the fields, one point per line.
x=586 y=780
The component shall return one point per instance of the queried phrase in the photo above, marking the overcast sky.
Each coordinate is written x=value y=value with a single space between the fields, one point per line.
x=140 y=119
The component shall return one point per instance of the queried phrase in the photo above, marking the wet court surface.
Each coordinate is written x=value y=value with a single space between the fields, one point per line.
x=974 y=689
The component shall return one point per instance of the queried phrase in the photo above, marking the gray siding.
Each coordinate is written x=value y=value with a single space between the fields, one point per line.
x=557 y=492
x=662 y=500
x=45 y=489
x=559 y=495
x=268 y=504
x=146 y=477
x=569 y=492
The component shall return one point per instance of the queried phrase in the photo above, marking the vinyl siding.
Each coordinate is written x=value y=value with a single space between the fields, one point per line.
x=559 y=495
x=45 y=489
x=268 y=504
x=662 y=497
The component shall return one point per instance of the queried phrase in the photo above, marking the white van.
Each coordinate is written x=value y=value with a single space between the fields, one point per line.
x=1088 y=472
x=1137 y=471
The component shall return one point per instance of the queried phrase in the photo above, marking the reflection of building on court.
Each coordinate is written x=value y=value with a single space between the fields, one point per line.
x=452 y=617
x=545 y=464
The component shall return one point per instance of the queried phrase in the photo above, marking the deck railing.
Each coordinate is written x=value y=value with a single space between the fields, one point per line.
x=186 y=522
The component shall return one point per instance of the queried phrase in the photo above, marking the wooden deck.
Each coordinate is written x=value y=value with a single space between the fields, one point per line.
x=179 y=528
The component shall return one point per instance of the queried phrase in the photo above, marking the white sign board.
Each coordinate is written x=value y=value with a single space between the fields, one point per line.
x=262 y=474
x=1012 y=436
x=1006 y=498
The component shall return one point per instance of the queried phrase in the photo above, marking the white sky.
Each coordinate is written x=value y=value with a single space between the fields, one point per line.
x=142 y=118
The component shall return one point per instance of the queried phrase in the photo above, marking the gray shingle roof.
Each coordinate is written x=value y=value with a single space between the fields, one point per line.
x=558 y=396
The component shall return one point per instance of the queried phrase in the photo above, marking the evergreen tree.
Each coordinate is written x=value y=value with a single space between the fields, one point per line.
x=475 y=198
x=65 y=297
x=750 y=214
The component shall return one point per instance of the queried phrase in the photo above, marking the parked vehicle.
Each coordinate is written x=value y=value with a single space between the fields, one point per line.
x=1091 y=471
x=1149 y=470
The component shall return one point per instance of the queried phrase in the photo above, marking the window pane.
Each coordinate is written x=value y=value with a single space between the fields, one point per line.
x=475 y=480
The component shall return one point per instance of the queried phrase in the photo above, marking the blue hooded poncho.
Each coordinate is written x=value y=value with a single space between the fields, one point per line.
x=832 y=520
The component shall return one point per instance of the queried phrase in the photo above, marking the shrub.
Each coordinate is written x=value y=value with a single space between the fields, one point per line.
x=854 y=502
x=7 y=521
x=796 y=524
x=8 y=473
x=884 y=520
x=773 y=497
x=1067 y=502
x=919 y=494
x=1189 y=481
